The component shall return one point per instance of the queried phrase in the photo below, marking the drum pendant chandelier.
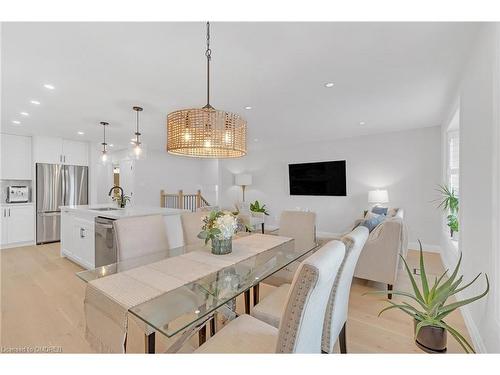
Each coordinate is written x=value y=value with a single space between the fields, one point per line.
x=206 y=132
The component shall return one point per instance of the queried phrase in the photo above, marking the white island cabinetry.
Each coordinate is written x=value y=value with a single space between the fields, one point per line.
x=78 y=229
x=77 y=237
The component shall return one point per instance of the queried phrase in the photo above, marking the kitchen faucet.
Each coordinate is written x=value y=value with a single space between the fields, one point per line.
x=122 y=203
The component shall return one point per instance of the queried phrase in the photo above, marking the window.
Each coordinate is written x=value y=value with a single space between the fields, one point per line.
x=453 y=161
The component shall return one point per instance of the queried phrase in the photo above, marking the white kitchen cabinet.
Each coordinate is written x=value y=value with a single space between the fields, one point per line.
x=75 y=153
x=67 y=220
x=53 y=150
x=77 y=239
x=83 y=239
x=18 y=224
x=127 y=176
x=15 y=157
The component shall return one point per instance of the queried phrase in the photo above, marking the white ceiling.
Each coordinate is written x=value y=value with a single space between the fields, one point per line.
x=393 y=76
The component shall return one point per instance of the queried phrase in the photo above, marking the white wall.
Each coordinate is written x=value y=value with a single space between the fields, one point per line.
x=479 y=187
x=407 y=163
x=145 y=178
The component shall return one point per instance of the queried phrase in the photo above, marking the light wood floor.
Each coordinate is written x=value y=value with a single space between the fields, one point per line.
x=42 y=306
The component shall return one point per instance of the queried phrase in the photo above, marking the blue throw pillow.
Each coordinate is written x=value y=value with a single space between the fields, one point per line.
x=380 y=210
x=373 y=222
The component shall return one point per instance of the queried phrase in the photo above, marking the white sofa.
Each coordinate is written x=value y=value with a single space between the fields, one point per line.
x=380 y=259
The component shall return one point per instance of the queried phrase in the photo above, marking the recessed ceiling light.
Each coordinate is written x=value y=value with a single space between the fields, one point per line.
x=49 y=86
x=132 y=139
x=329 y=84
x=248 y=107
x=35 y=102
x=362 y=123
x=256 y=140
x=81 y=133
x=16 y=122
x=24 y=114
x=111 y=145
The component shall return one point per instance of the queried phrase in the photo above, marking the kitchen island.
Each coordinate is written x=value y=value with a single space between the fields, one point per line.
x=79 y=235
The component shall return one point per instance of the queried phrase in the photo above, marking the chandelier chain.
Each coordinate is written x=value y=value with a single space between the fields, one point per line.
x=208 y=54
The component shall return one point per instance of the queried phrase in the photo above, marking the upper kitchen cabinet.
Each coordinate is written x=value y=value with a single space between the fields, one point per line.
x=75 y=153
x=16 y=157
x=53 y=150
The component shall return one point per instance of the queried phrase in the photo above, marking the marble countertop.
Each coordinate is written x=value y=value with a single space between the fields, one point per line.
x=122 y=212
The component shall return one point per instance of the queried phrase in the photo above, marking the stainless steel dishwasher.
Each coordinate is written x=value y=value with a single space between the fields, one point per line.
x=105 y=247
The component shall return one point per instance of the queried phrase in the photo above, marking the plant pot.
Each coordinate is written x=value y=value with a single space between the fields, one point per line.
x=430 y=339
x=221 y=247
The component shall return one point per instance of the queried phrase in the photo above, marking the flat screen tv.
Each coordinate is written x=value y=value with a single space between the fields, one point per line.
x=323 y=178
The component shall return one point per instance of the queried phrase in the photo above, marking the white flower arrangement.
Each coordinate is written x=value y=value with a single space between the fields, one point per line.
x=227 y=225
x=218 y=224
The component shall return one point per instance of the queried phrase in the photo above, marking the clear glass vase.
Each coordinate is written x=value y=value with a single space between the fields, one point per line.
x=221 y=247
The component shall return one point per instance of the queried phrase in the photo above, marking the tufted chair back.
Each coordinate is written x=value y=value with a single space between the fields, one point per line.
x=301 y=327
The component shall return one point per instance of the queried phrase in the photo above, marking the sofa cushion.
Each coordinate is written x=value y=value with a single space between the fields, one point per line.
x=372 y=220
x=379 y=210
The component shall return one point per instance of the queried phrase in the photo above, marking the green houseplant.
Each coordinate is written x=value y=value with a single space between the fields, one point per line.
x=449 y=202
x=429 y=316
x=256 y=207
x=122 y=203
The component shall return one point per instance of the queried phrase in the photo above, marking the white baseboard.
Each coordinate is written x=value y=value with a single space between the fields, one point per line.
x=477 y=340
x=425 y=247
x=17 y=244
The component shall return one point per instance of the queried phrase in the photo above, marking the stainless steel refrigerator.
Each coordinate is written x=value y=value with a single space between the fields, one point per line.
x=57 y=185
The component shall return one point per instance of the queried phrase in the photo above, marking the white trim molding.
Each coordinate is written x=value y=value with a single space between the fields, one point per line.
x=477 y=340
x=425 y=247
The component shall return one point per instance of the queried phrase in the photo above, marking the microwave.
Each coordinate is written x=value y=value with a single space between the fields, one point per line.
x=17 y=194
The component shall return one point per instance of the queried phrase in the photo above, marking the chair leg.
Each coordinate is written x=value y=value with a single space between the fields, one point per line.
x=389 y=288
x=256 y=294
x=202 y=335
x=247 y=301
x=150 y=343
x=342 y=340
x=212 y=326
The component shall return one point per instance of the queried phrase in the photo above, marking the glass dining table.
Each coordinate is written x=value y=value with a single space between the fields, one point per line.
x=190 y=307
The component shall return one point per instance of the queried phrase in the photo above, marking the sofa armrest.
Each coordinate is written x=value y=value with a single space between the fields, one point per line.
x=379 y=259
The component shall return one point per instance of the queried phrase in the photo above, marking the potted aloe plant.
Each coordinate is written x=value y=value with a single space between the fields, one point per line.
x=430 y=314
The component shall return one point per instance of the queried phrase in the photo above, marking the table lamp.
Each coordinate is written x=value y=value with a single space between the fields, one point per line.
x=378 y=196
x=243 y=180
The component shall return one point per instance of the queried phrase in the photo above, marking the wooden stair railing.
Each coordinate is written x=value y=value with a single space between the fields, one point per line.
x=183 y=201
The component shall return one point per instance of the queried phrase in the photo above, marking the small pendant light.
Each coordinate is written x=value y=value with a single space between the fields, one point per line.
x=104 y=156
x=138 y=150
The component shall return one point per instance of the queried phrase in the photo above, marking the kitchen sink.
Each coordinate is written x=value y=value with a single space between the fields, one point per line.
x=104 y=209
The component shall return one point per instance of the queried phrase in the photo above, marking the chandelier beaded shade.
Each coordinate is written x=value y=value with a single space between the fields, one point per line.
x=206 y=132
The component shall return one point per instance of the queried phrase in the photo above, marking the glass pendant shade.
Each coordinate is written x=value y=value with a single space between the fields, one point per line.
x=137 y=152
x=104 y=153
x=104 y=158
x=206 y=133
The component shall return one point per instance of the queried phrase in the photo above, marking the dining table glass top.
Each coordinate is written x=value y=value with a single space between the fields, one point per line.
x=192 y=303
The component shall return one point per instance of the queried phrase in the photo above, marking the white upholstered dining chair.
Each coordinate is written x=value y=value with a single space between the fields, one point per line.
x=270 y=308
x=334 y=325
x=301 y=226
x=138 y=236
x=191 y=226
x=300 y=330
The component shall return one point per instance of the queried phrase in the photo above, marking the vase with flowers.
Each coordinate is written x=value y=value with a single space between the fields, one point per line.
x=219 y=227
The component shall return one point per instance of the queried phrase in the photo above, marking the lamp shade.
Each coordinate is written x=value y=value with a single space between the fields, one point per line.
x=378 y=196
x=243 y=179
